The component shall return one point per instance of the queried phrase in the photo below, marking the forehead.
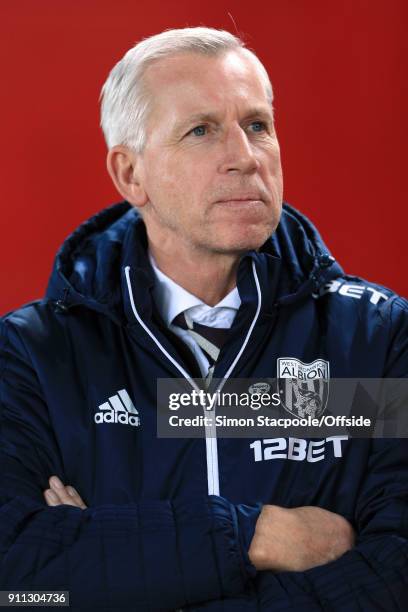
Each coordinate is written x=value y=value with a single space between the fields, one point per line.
x=191 y=82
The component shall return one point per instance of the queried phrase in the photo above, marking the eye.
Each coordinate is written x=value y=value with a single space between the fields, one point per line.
x=199 y=130
x=258 y=126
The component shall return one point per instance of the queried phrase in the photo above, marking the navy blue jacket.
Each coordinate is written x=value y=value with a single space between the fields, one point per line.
x=169 y=521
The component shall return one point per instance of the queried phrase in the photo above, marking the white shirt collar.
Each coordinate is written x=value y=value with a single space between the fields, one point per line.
x=171 y=299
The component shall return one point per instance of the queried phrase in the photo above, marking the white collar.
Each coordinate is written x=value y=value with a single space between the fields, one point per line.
x=171 y=299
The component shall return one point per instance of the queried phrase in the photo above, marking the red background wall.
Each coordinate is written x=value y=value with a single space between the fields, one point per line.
x=339 y=73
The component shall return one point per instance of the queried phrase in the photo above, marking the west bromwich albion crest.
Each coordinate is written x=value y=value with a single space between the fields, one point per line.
x=303 y=387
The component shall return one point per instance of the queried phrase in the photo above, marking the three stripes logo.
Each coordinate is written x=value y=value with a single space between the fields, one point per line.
x=118 y=409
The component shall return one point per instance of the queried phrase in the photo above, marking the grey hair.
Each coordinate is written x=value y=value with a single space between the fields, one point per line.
x=124 y=100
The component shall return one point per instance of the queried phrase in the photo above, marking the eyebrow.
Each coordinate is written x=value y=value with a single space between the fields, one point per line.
x=260 y=112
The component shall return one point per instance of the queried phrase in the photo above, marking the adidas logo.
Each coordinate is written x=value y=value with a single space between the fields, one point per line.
x=118 y=409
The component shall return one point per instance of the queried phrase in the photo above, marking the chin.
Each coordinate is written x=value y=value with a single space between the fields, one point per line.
x=240 y=245
x=245 y=239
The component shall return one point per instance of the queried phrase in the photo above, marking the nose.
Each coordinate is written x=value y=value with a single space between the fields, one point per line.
x=237 y=155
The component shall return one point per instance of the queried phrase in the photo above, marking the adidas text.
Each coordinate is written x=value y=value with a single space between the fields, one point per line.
x=117 y=417
x=118 y=409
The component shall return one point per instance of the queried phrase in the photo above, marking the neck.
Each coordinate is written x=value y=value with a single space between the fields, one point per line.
x=208 y=276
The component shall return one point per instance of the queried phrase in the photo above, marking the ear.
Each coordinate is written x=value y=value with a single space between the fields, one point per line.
x=126 y=171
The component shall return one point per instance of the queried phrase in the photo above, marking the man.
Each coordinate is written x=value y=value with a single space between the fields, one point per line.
x=92 y=500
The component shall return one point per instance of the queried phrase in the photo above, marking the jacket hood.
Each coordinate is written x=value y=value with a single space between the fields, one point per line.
x=88 y=266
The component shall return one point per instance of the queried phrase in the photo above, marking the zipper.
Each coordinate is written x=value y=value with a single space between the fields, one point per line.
x=213 y=479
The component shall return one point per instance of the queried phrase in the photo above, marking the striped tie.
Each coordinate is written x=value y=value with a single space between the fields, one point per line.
x=209 y=339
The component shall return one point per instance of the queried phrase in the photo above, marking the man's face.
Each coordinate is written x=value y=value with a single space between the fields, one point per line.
x=211 y=165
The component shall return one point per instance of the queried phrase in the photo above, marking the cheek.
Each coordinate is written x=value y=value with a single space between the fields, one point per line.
x=175 y=194
x=272 y=167
x=273 y=153
x=185 y=180
x=161 y=181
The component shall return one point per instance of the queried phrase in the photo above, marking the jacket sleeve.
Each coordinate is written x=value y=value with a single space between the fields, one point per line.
x=153 y=555
x=373 y=576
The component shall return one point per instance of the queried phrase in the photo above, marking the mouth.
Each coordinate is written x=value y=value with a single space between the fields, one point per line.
x=241 y=201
